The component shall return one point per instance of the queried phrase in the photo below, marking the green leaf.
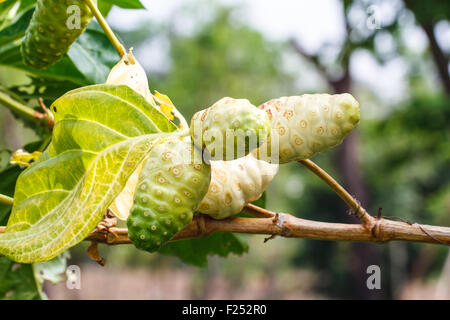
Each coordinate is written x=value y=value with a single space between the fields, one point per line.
x=93 y=54
x=17 y=281
x=12 y=10
x=63 y=70
x=196 y=251
x=88 y=61
x=125 y=4
x=101 y=134
x=16 y=30
x=104 y=7
x=24 y=281
x=8 y=178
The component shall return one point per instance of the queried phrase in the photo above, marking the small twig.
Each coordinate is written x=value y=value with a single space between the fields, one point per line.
x=366 y=219
x=269 y=238
x=4 y=199
x=256 y=211
x=108 y=32
x=47 y=113
x=20 y=108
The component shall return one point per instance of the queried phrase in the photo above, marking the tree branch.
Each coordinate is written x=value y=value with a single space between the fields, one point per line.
x=366 y=219
x=286 y=225
x=258 y=212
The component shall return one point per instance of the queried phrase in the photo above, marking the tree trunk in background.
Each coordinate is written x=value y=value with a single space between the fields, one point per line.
x=440 y=59
x=362 y=254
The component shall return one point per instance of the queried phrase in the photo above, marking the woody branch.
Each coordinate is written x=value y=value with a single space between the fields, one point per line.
x=286 y=225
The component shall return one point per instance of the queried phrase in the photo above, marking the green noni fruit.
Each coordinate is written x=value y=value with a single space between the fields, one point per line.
x=171 y=184
x=230 y=128
x=305 y=125
x=55 y=25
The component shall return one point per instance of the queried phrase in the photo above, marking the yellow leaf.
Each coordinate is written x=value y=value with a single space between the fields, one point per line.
x=163 y=98
x=166 y=104
x=24 y=158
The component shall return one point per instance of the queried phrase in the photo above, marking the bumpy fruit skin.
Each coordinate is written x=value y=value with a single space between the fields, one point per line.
x=230 y=128
x=48 y=36
x=234 y=184
x=171 y=184
x=308 y=124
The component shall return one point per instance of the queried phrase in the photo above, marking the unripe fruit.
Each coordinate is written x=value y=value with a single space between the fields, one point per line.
x=171 y=184
x=230 y=128
x=48 y=36
x=234 y=184
x=303 y=126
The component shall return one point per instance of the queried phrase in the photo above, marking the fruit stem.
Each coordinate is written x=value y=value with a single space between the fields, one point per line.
x=367 y=220
x=6 y=200
x=108 y=32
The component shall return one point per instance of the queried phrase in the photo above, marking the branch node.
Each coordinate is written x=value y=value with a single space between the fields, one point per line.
x=279 y=219
x=375 y=230
x=110 y=237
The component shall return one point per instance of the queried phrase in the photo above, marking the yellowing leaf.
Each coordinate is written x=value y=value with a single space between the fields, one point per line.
x=24 y=158
x=128 y=71
x=164 y=99
x=121 y=206
x=102 y=134
x=166 y=104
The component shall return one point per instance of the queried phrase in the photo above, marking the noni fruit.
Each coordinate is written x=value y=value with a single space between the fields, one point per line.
x=55 y=25
x=230 y=128
x=305 y=125
x=171 y=184
x=234 y=184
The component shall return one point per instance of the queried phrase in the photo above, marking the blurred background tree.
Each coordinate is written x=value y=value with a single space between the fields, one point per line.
x=391 y=55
